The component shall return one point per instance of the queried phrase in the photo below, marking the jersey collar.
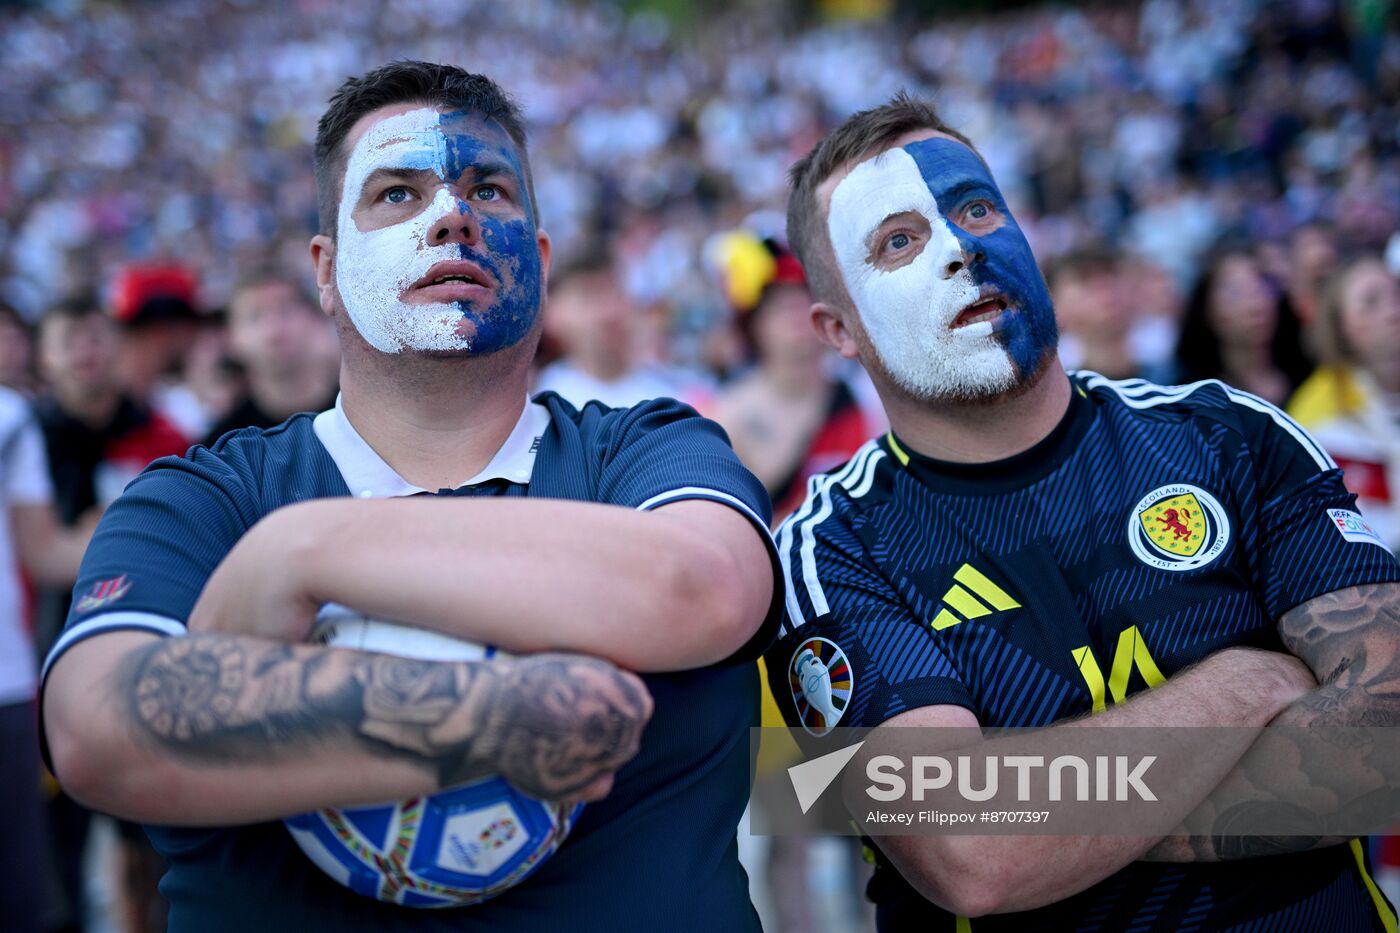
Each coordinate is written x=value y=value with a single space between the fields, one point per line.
x=998 y=476
x=367 y=476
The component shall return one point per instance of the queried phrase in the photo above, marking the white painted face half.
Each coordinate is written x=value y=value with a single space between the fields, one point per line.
x=373 y=269
x=908 y=311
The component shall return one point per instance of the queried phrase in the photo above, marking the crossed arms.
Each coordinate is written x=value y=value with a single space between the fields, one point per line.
x=239 y=722
x=1346 y=673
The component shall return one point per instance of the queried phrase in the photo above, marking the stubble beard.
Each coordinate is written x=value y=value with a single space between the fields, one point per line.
x=968 y=393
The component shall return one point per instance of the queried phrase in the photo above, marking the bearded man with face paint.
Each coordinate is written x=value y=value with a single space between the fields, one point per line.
x=585 y=543
x=1022 y=530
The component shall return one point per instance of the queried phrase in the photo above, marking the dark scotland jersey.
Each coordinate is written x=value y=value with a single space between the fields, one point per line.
x=658 y=852
x=1153 y=526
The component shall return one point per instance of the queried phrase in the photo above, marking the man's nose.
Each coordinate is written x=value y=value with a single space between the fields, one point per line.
x=960 y=257
x=457 y=224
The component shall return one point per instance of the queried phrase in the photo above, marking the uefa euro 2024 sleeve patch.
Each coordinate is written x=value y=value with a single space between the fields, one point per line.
x=1178 y=527
x=1353 y=527
x=821 y=680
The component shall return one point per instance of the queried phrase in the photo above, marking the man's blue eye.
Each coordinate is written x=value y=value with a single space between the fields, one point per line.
x=486 y=193
x=899 y=241
x=978 y=211
x=396 y=195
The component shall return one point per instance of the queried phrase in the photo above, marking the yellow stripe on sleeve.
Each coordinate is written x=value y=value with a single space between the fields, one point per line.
x=1382 y=905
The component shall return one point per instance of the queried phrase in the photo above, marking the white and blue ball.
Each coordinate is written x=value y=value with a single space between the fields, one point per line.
x=460 y=846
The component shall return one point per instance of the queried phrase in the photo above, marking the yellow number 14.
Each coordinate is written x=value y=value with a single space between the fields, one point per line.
x=1131 y=652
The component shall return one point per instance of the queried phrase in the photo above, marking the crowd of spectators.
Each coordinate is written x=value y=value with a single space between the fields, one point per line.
x=182 y=129
x=1213 y=187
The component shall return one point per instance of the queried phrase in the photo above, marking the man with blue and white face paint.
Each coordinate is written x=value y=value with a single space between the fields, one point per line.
x=438 y=248
x=1028 y=547
x=584 y=542
x=948 y=292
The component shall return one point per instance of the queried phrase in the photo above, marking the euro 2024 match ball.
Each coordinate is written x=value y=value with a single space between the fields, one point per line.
x=456 y=847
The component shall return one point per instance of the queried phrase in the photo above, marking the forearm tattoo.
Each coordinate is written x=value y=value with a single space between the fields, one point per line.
x=1351 y=641
x=550 y=724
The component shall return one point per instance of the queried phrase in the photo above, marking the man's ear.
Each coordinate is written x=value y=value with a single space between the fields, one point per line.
x=830 y=325
x=323 y=265
x=546 y=246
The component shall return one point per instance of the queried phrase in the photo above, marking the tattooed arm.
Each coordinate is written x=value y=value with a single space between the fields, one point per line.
x=216 y=730
x=1350 y=639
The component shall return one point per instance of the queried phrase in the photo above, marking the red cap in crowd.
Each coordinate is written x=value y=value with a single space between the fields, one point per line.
x=144 y=294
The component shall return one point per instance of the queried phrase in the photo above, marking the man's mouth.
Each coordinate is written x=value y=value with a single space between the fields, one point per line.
x=457 y=280
x=988 y=307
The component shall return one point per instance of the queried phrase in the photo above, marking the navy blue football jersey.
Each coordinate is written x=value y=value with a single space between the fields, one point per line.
x=658 y=853
x=1153 y=526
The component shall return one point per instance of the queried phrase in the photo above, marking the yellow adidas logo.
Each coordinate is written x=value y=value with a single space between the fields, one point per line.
x=960 y=604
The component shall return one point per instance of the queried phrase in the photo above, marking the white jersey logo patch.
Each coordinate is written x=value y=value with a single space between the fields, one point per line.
x=1353 y=527
x=1178 y=527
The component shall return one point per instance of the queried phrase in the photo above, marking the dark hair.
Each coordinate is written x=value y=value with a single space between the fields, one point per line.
x=596 y=259
x=271 y=273
x=75 y=308
x=1198 y=344
x=1083 y=263
x=404 y=82
x=863 y=134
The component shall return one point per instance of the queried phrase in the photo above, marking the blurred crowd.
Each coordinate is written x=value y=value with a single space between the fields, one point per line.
x=1213 y=188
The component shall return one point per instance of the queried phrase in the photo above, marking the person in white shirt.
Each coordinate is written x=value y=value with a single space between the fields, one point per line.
x=31 y=536
x=1351 y=404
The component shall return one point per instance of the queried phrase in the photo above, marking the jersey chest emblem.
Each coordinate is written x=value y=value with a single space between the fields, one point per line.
x=1178 y=527
x=820 y=677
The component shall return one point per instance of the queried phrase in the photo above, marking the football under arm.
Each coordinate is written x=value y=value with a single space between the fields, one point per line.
x=976 y=875
x=1350 y=640
x=682 y=586
x=217 y=730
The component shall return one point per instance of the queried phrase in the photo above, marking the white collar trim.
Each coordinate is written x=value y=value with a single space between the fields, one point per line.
x=368 y=477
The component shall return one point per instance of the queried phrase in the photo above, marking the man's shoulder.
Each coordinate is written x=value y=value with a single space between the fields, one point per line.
x=597 y=420
x=860 y=486
x=1161 y=402
x=296 y=431
x=1222 y=409
x=241 y=459
x=246 y=414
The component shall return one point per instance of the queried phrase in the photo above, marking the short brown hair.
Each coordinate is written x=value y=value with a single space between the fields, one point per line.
x=406 y=82
x=596 y=259
x=1083 y=263
x=73 y=308
x=863 y=134
x=271 y=272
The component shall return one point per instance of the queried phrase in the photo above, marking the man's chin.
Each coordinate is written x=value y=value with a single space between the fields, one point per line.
x=444 y=355
x=980 y=389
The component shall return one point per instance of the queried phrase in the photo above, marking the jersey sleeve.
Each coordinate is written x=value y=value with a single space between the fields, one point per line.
x=1309 y=536
x=155 y=547
x=661 y=452
x=851 y=652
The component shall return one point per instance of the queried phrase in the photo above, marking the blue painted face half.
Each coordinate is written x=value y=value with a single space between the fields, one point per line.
x=945 y=283
x=437 y=246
